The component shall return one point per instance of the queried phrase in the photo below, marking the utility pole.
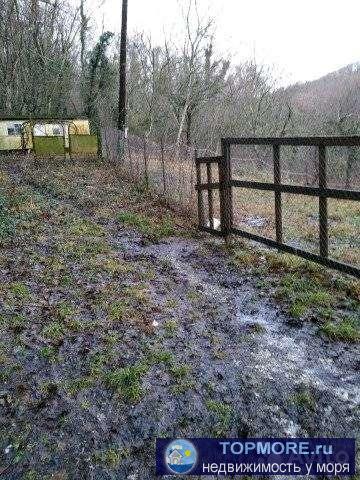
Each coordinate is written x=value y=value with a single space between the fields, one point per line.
x=122 y=72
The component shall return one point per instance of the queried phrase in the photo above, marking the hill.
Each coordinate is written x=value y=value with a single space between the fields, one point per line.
x=329 y=91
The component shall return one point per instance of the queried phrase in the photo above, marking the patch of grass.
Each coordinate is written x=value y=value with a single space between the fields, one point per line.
x=49 y=353
x=16 y=323
x=353 y=289
x=283 y=262
x=179 y=371
x=65 y=310
x=303 y=294
x=181 y=376
x=160 y=356
x=138 y=293
x=193 y=296
x=111 y=338
x=111 y=265
x=345 y=330
x=3 y=354
x=182 y=387
x=245 y=258
x=19 y=290
x=256 y=328
x=85 y=228
x=49 y=388
x=76 y=385
x=65 y=281
x=117 y=310
x=171 y=303
x=127 y=381
x=171 y=326
x=223 y=413
x=304 y=399
x=7 y=371
x=99 y=361
x=146 y=226
x=31 y=475
x=54 y=332
x=83 y=248
x=111 y=458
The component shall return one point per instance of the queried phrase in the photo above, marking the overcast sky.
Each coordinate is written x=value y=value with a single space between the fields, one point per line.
x=303 y=39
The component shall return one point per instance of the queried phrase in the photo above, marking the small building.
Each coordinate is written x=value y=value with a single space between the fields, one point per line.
x=18 y=133
x=175 y=457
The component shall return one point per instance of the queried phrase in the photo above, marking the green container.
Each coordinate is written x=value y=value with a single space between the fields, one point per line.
x=49 y=146
x=83 y=144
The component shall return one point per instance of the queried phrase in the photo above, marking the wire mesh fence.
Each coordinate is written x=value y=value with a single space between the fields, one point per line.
x=299 y=166
x=168 y=170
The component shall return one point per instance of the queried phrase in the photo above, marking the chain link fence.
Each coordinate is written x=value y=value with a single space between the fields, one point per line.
x=169 y=171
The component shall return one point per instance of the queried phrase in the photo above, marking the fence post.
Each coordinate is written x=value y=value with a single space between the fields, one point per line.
x=210 y=196
x=199 y=193
x=278 y=203
x=323 y=205
x=226 y=207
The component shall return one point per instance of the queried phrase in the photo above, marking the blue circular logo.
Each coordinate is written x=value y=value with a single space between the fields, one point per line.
x=180 y=456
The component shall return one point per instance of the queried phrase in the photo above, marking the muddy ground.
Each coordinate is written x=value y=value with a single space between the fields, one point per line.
x=113 y=334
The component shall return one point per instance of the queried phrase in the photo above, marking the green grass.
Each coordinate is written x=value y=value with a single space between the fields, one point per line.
x=76 y=385
x=117 y=310
x=223 y=414
x=111 y=265
x=65 y=310
x=16 y=323
x=346 y=330
x=81 y=227
x=83 y=248
x=179 y=372
x=49 y=353
x=304 y=399
x=111 y=458
x=170 y=327
x=146 y=226
x=19 y=290
x=160 y=356
x=54 y=332
x=127 y=381
x=303 y=294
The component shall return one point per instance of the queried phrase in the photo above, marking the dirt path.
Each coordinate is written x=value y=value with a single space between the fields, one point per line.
x=147 y=339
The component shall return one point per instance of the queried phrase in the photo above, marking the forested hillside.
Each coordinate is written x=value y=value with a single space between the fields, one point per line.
x=52 y=64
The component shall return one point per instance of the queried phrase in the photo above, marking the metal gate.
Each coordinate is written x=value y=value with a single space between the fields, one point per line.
x=226 y=184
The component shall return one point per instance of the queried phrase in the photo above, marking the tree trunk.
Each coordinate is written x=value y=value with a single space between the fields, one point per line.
x=188 y=127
